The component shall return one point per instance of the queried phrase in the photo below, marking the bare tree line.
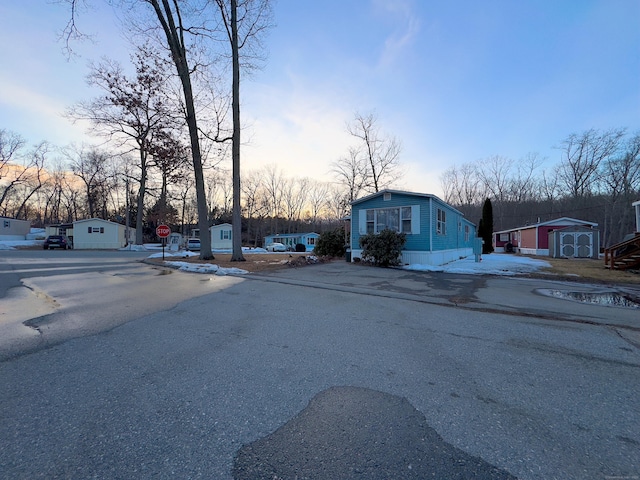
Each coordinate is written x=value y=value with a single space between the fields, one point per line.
x=596 y=179
x=60 y=185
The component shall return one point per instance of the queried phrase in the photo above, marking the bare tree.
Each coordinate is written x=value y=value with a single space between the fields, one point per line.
x=36 y=176
x=273 y=182
x=351 y=171
x=494 y=174
x=253 y=194
x=90 y=166
x=379 y=153
x=318 y=200
x=582 y=155
x=21 y=173
x=621 y=178
x=244 y=22
x=133 y=110
x=294 y=195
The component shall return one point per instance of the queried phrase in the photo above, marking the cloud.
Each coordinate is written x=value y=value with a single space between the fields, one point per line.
x=407 y=29
x=298 y=126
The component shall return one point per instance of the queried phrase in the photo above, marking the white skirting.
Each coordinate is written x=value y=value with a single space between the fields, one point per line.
x=441 y=257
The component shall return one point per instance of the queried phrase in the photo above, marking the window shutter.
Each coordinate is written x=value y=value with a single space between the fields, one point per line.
x=89 y=228
x=362 y=222
x=221 y=235
x=415 y=219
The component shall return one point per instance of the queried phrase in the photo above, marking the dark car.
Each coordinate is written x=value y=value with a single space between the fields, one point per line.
x=57 y=241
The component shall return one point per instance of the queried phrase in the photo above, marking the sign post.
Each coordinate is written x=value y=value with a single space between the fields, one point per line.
x=163 y=232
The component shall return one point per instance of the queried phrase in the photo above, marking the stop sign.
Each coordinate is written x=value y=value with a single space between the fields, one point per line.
x=163 y=231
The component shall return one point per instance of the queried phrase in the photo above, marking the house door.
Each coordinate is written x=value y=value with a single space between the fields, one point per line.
x=576 y=244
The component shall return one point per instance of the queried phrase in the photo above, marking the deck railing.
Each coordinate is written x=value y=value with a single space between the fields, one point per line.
x=623 y=255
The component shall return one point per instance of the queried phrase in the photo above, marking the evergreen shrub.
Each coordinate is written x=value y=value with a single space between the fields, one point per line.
x=383 y=249
x=331 y=243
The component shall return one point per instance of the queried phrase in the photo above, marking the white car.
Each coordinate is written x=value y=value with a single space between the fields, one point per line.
x=193 y=244
x=276 y=247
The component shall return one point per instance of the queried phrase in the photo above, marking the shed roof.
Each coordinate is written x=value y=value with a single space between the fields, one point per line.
x=557 y=221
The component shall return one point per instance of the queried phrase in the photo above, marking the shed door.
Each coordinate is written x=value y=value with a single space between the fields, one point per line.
x=567 y=242
x=576 y=244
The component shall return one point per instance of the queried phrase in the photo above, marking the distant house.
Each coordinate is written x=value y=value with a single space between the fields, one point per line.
x=292 y=239
x=95 y=233
x=534 y=239
x=13 y=229
x=60 y=229
x=221 y=238
x=436 y=232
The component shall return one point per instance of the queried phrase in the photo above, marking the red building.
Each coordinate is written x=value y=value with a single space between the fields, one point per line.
x=534 y=239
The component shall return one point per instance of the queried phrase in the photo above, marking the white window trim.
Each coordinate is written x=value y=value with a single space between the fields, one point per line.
x=441 y=225
x=415 y=219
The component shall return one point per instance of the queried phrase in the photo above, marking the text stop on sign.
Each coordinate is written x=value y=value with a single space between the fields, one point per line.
x=163 y=231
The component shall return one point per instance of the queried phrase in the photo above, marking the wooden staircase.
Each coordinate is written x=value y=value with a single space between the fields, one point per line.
x=623 y=255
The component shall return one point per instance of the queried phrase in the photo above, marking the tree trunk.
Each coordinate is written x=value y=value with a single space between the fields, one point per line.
x=236 y=236
x=141 y=193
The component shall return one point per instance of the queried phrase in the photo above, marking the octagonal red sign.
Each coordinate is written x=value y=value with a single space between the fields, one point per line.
x=163 y=231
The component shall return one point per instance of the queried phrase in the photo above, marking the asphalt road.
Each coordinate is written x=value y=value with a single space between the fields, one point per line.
x=329 y=371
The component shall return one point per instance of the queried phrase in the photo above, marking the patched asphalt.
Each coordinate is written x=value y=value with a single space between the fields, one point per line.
x=358 y=433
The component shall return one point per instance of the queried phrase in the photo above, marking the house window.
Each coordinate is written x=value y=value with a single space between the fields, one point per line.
x=467 y=233
x=386 y=197
x=95 y=229
x=396 y=219
x=441 y=224
x=225 y=234
x=311 y=241
x=7 y=223
x=371 y=221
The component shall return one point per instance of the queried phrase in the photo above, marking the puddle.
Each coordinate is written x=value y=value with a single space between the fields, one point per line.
x=609 y=299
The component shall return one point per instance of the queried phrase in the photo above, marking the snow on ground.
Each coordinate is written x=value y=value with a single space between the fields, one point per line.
x=206 y=268
x=493 y=264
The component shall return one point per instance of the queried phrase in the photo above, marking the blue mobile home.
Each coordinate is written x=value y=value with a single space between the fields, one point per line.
x=436 y=232
x=291 y=239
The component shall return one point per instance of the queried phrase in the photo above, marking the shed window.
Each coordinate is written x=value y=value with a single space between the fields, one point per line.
x=225 y=234
x=441 y=224
x=95 y=229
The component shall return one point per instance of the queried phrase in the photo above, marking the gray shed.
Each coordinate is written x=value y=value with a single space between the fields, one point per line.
x=574 y=241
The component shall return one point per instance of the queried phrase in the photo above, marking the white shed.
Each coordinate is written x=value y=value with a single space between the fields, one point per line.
x=221 y=236
x=95 y=233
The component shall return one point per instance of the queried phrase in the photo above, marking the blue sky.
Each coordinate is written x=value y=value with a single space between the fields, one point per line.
x=454 y=81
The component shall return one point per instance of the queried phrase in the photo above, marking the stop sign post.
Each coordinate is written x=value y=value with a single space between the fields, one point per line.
x=163 y=232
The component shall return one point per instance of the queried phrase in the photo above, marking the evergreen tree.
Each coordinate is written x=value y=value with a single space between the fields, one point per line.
x=487 y=226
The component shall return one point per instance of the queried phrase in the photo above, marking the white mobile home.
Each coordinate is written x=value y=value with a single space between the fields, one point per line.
x=95 y=233
x=13 y=229
x=221 y=236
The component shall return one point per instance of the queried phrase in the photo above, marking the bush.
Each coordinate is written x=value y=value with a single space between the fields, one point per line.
x=331 y=243
x=383 y=249
x=300 y=247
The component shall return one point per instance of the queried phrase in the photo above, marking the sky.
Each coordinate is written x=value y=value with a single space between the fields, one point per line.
x=455 y=81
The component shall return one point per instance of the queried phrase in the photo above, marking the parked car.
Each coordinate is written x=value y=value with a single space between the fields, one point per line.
x=276 y=247
x=57 y=241
x=193 y=244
